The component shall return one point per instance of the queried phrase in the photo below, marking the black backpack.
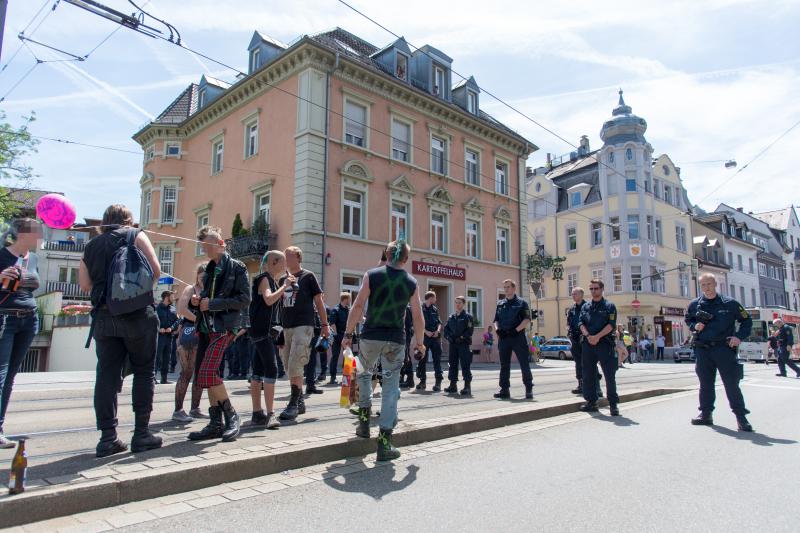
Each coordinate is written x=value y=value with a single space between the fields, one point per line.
x=130 y=279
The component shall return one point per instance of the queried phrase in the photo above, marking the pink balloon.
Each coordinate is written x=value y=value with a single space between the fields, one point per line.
x=55 y=211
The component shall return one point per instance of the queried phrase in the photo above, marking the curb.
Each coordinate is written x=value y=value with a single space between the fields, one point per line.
x=56 y=501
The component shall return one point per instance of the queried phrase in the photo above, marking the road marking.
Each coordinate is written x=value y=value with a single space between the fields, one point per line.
x=784 y=387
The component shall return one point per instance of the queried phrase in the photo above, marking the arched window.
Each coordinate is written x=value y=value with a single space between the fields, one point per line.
x=611 y=157
x=665 y=168
x=629 y=154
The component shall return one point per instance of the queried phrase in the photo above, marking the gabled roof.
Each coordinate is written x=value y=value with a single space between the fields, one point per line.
x=778 y=219
x=259 y=37
x=181 y=108
x=214 y=81
x=469 y=82
x=401 y=44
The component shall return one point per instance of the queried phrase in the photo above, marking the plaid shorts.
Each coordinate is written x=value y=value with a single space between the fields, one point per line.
x=213 y=352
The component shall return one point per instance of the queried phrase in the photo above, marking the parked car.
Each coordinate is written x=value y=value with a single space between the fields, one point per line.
x=684 y=353
x=557 y=347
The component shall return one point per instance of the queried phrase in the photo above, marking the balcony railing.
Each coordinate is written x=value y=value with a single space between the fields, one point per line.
x=64 y=246
x=250 y=246
x=71 y=291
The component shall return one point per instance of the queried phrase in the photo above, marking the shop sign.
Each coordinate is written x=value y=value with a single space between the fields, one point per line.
x=673 y=311
x=438 y=271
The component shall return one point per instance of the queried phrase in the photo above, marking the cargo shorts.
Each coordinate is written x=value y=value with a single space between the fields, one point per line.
x=297 y=349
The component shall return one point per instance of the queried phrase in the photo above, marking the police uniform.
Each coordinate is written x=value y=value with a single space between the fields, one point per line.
x=338 y=319
x=433 y=345
x=785 y=340
x=595 y=316
x=510 y=313
x=574 y=332
x=407 y=371
x=712 y=352
x=458 y=331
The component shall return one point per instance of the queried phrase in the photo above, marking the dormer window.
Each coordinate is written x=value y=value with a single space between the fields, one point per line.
x=575 y=199
x=472 y=102
x=201 y=99
x=255 y=55
x=401 y=71
x=438 y=81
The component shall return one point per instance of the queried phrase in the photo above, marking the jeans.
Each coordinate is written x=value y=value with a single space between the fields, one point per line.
x=784 y=361
x=434 y=346
x=721 y=358
x=660 y=353
x=519 y=345
x=244 y=355
x=163 y=354
x=459 y=353
x=336 y=350
x=407 y=370
x=132 y=339
x=390 y=356
x=603 y=352
x=16 y=335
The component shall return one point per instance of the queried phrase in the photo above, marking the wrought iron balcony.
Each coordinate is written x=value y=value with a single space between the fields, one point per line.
x=64 y=246
x=71 y=291
x=250 y=247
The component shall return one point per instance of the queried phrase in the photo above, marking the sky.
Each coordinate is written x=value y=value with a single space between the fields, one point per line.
x=715 y=80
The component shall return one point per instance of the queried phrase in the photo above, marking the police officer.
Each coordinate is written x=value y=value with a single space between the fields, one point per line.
x=598 y=320
x=574 y=332
x=713 y=318
x=407 y=371
x=511 y=319
x=338 y=320
x=433 y=342
x=785 y=340
x=458 y=332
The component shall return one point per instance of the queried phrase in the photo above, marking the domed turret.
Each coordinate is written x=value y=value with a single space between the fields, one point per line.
x=623 y=126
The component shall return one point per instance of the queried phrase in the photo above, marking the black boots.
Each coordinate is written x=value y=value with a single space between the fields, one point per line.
x=452 y=389
x=579 y=389
x=467 y=390
x=703 y=419
x=312 y=389
x=142 y=439
x=614 y=409
x=529 y=392
x=743 y=424
x=588 y=407
x=502 y=394
x=109 y=443
x=232 y=422
x=291 y=411
x=438 y=385
x=421 y=385
x=386 y=452
x=214 y=428
x=363 y=422
x=408 y=383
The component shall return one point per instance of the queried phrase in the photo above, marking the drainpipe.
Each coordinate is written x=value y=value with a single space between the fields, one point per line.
x=325 y=168
x=558 y=284
x=523 y=224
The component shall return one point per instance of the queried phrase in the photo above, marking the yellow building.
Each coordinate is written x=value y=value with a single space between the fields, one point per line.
x=621 y=216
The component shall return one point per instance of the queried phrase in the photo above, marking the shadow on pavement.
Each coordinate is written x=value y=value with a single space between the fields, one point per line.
x=375 y=482
x=759 y=439
x=621 y=421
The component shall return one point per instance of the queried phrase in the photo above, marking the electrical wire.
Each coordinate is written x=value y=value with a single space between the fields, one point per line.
x=23 y=31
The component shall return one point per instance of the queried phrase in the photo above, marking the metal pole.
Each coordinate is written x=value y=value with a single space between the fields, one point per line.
x=3 y=6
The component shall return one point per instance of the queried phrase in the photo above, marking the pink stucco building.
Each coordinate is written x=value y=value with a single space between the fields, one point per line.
x=338 y=147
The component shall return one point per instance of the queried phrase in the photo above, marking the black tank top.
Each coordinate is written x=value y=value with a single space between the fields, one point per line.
x=261 y=313
x=389 y=292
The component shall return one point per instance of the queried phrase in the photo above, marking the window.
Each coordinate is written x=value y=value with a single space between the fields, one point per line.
x=63 y=272
x=665 y=168
x=647 y=182
x=438 y=81
x=572 y=239
x=148 y=199
x=572 y=281
x=630 y=184
x=172 y=150
x=575 y=199
x=539 y=208
x=611 y=157
x=438 y=231
x=730 y=260
x=352 y=212
x=350 y=283
x=636 y=277
x=629 y=154
x=733 y=291
x=614 y=228
x=471 y=166
x=649 y=228
x=355 y=124
x=399 y=221
x=472 y=245
x=656 y=280
x=201 y=99
x=753 y=297
x=791 y=270
x=472 y=102
x=502 y=245
x=263 y=206
x=165 y=260
x=202 y=220
x=750 y=265
x=597 y=273
x=168 y=204
x=683 y=279
x=401 y=141
x=741 y=296
x=149 y=152
x=762 y=270
x=597 y=234
x=657 y=188
x=251 y=139
x=668 y=194
x=217 y=152
x=633 y=227
x=739 y=264
x=659 y=233
x=475 y=305
x=254 y=57
x=501 y=178
x=616 y=273
x=438 y=155
x=402 y=67
x=680 y=238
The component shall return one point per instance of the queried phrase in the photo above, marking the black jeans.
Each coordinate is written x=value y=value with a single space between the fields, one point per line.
x=603 y=353
x=16 y=336
x=243 y=355
x=459 y=353
x=517 y=344
x=721 y=358
x=435 y=347
x=163 y=354
x=575 y=349
x=118 y=340
x=336 y=351
x=784 y=361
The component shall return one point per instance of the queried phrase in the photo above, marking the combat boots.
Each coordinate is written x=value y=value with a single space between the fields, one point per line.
x=386 y=452
x=232 y=422
x=703 y=419
x=214 y=428
x=579 y=389
x=438 y=385
x=363 y=422
x=743 y=424
x=467 y=390
x=291 y=411
x=109 y=443
x=452 y=389
x=142 y=439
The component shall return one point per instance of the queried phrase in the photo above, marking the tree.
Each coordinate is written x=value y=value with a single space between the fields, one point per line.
x=260 y=227
x=15 y=175
x=238 y=227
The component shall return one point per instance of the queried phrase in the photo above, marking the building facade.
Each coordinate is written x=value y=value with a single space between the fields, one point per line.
x=338 y=147
x=621 y=216
x=709 y=253
x=786 y=221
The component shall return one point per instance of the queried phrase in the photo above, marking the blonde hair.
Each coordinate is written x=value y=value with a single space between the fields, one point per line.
x=209 y=231
x=272 y=255
x=295 y=250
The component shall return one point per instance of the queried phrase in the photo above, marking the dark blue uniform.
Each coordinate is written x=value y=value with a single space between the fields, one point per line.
x=595 y=316
x=509 y=315
x=432 y=345
x=407 y=370
x=574 y=332
x=458 y=332
x=785 y=340
x=713 y=353
x=338 y=320
x=167 y=318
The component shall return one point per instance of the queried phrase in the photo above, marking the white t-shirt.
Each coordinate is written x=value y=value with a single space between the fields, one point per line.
x=660 y=341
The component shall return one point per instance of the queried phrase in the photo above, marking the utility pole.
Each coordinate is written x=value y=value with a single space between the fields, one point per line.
x=3 y=6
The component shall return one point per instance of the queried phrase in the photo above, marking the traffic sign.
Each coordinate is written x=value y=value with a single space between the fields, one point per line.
x=166 y=280
x=636 y=304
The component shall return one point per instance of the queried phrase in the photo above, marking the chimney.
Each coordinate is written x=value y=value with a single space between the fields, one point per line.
x=740 y=209
x=548 y=159
x=584 y=144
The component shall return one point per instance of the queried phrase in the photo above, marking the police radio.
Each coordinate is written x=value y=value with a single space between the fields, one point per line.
x=704 y=317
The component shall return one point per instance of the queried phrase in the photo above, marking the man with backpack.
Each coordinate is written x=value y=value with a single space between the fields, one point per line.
x=118 y=269
x=225 y=294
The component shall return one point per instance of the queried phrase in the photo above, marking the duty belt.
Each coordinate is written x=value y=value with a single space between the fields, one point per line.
x=711 y=344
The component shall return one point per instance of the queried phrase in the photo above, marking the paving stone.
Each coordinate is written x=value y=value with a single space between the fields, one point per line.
x=277 y=445
x=98 y=515
x=100 y=472
x=159 y=463
x=259 y=448
x=163 y=511
x=52 y=524
x=178 y=498
x=188 y=459
x=269 y=487
x=212 y=455
x=127 y=469
x=134 y=507
x=129 y=519
x=235 y=451
x=241 y=494
x=91 y=527
x=298 y=480
x=211 y=491
x=210 y=501
x=244 y=484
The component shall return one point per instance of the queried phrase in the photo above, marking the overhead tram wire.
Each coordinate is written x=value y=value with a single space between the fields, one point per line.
x=35 y=16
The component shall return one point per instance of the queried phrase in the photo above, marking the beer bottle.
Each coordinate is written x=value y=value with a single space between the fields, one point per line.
x=19 y=467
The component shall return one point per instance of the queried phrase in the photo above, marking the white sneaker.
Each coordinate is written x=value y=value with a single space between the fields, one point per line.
x=197 y=413
x=5 y=443
x=182 y=417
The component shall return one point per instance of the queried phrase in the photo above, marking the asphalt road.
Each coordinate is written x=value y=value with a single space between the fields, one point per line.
x=649 y=470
